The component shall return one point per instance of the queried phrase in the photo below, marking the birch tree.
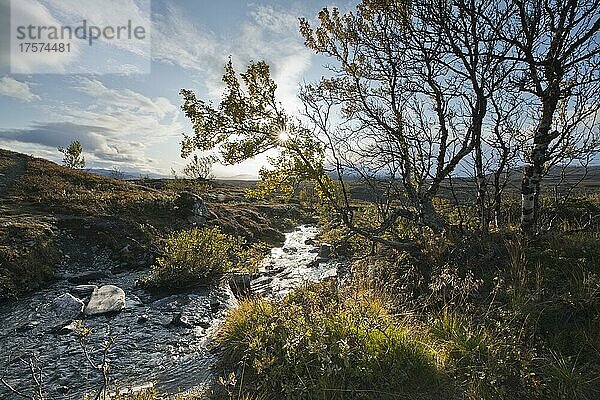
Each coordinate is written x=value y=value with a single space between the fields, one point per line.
x=555 y=44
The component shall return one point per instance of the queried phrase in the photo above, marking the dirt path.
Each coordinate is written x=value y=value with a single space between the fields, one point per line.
x=10 y=174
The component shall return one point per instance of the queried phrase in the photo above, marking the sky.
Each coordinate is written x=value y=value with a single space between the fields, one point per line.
x=127 y=113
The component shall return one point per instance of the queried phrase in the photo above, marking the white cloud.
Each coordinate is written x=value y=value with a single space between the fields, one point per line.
x=19 y=90
x=126 y=99
x=178 y=41
x=130 y=121
x=97 y=141
x=29 y=12
x=118 y=127
x=270 y=34
x=108 y=13
x=123 y=53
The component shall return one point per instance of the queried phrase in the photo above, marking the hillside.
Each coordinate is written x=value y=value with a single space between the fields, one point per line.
x=49 y=213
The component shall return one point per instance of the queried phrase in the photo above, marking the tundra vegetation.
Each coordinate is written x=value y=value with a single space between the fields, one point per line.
x=449 y=155
x=198 y=256
x=194 y=256
x=132 y=219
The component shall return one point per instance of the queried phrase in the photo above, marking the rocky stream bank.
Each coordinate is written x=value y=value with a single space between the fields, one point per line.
x=162 y=340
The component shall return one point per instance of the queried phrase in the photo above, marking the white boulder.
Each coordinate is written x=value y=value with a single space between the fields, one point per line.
x=106 y=299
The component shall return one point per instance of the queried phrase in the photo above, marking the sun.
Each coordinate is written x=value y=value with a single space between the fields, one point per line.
x=283 y=136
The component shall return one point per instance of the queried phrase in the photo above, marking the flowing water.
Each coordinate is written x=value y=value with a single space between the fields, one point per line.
x=149 y=347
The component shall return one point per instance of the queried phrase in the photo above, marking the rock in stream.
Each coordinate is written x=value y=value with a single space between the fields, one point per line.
x=105 y=300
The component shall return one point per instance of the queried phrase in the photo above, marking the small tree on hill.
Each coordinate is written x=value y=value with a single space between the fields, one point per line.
x=73 y=155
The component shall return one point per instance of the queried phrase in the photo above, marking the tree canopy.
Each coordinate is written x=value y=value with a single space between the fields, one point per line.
x=417 y=94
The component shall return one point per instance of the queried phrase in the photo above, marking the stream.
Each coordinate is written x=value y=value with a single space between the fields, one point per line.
x=163 y=340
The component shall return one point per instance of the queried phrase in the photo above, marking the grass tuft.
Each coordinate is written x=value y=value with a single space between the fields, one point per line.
x=325 y=343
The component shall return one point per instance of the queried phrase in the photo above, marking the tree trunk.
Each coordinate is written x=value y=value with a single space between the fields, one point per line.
x=481 y=202
x=532 y=173
x=497 y=201
x=529 y=198
x=429 y=217
x=479 y=114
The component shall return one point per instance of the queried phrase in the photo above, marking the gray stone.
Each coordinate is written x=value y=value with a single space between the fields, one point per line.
x=107 y=299
x=69 y=328
x=193 y=206
x=325 y=250
x=63 y=389
x=83 y=290
x=180 y=320
x=67 y=306
x=142 y=319
x=133 y=301
x=60 y=312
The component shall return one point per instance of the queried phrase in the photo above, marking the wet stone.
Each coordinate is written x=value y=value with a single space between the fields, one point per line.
x=70 y=328
x=142 y=319
x=83 y=290
x=133 y=301
x=61 y=311
x=180 y=320
x=87 y=276
x=325 y=250
x=107 y=299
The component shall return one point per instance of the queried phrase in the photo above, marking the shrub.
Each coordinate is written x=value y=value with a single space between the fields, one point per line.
x=195 y=256
x=323 y=343
x=199 y=168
